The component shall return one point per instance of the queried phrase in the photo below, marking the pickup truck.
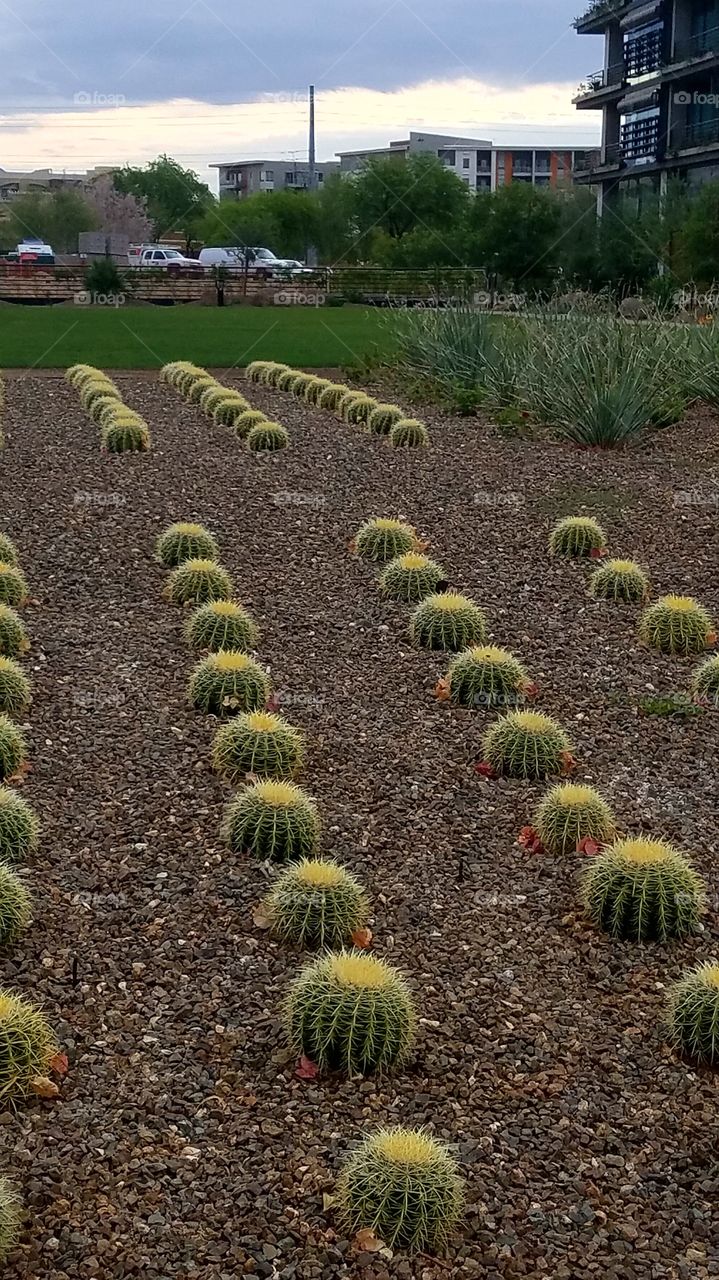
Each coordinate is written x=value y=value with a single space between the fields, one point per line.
x=163 y=259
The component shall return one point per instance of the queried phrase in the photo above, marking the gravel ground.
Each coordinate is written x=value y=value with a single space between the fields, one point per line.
x=182 y=1144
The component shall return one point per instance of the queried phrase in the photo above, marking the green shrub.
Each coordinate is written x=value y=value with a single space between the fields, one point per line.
x=13 y=638
x=694 y=1014
x=316 y=904
x=15 y=907
x=244 y=422
x=229 y=410
x=383 y=418
x=267 y=437
x=12 y=748
x=274 y=822
x=448 y=621
x=570 y=814
x=19 y=828
x=382 y=539
x=330 y=397
x=184 y=541
x=676 y=625
x=259 y=743
x=27 y=1046
x=126 y=437
x=643 y=890
x=411 y=577
x=408 y=433
x=486 y=676
x=13 y=587
x=222 y=624
x=620 y=580
x=527 y=744
x=704 y=683
x=229 y=681
x=404 y=1186
x=350 y=1011
x=10 y=1218
x=199 y=580
x=15 y=696
x=358 y=410
x=103 y=276
x=8 y=550
x=577 y=536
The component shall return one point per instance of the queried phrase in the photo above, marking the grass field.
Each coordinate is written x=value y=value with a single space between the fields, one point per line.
x=147 y=337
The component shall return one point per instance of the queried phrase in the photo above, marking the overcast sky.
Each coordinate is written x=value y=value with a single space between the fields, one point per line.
x=87 y=83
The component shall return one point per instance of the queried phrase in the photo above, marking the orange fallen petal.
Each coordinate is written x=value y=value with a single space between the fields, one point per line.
x=589 y=847
x=443 y=691
x=59 y=1064
x=362 y=938
x=568 y=762
x=306 y=1069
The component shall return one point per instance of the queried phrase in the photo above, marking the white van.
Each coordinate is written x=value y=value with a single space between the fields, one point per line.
x=233 y=258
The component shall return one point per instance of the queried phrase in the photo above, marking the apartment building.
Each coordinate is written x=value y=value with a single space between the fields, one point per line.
x=658 y=92
x=242 y=178
x=480 y=163
x=14 y=184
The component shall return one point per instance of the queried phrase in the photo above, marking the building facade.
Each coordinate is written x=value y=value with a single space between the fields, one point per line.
x=480 y=163
x=242 y=178
x=658 y=91
x=14 y=184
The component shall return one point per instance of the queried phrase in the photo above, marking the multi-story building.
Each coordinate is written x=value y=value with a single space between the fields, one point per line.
x=658 y=92
x=242 y=178
x=482 y=164
x=14 y=184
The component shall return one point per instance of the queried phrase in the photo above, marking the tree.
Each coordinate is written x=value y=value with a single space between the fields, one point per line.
x=175 y=198
x=699 y=237
x=399 y=195
x=514 y=232
x=338 y=239
x=56 y=218
x=629 y=243
x=119 y=213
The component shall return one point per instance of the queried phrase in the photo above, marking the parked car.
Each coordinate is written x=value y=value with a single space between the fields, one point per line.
x=264 y=260
x=35 y=251
x=232 y=257
x=154 y=255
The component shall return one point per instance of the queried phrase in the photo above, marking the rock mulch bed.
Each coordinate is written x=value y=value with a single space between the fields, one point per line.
x=183 y=1145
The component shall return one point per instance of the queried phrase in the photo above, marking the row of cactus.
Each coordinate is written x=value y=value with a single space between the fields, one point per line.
x=675 y=625
x=2 y=411
x=122 y=430
x=349 y=404
x=226 y=407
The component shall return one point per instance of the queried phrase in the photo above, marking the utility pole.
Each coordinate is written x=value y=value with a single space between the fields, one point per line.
x=312 y=181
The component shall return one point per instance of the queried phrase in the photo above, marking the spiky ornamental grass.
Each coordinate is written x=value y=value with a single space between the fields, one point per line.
x=332 y=395
x=274 y=822
x=408 y=433
x=527 y=744
x=383 y=418
x=228 y=681
x=383 y=539
x=222 y=624
x=123 y=436
x=404 y=1186
x=244 y=422
x=676 y=625
x=357 y=411
x=15 y=695
x=617 y=580
x=260 y=743
x=317 y=904
x=229 y=410
x=486 y=676
x=15 y=907
x=27 y=1045
x=411 y=577
x=704 y=682
x=19 y=829
x=569 y=814
x=8 y=550
x=199 y=580
x=12 y=748
x=448 y=621
x=185 y=541
x=267 y=437
x=10 y=1217
x=13 y=587
x=13 y=638
x=350 y=1012
x=577 y=536
x=643 y=890
x=693 y=1014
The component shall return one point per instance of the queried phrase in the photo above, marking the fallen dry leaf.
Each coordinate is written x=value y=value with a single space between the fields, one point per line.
x=589 y=847
x=306 y=1069
x=443 y=691
x=368 y=1242
x=43 y=1087
x=59 y=1064
x=362 y=938
x=328 y=1201
x=260 y=918
x=530 y=841
x=485 y=770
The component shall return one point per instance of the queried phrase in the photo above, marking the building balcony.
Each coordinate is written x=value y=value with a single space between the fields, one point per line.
x=696 y=136
x=696 y=47
x=601 y=86
x=600 y=12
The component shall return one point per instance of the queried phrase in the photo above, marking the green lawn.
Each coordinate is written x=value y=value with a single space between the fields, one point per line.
x=147 y=337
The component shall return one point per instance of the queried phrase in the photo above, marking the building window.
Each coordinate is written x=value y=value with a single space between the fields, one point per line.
x=448 y=158
x=542 y=161
x=643 y=50
x=522 y=163
x=640 y=135
x=267 y=175
x=484 y=162
x=465 y=162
